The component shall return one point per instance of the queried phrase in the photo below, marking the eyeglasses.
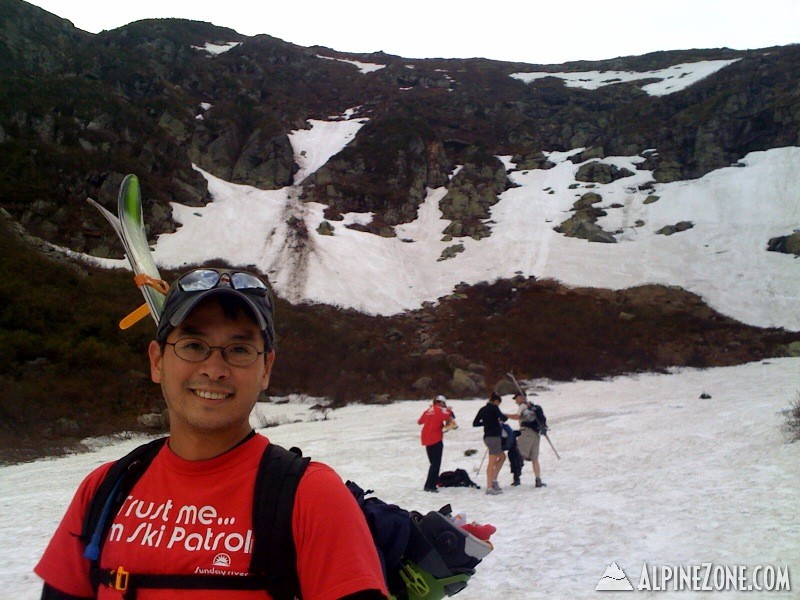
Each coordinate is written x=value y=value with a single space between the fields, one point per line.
x=237 y=355
x=207 y=279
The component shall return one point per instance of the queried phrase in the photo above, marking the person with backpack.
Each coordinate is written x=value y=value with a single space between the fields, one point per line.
x=490 y=417
x=185 y=528
x=532 y=425
x=433 y=421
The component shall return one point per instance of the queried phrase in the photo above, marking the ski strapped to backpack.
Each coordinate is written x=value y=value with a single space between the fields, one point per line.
x=423 y=557
x=539 y=427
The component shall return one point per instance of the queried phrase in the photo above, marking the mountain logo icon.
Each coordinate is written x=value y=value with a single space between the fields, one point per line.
x=613 y=580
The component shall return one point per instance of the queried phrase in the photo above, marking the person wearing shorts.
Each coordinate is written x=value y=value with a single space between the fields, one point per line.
x=532 y=423
x=490 y=418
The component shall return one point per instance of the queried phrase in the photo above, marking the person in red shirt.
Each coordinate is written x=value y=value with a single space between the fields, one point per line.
x=433 y=421
x=191 y=511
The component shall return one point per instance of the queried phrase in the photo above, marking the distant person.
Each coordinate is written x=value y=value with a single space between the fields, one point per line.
x=532 y=425
x=433 y=422
x=490 y=417
x=515 y=461
x=212 y=356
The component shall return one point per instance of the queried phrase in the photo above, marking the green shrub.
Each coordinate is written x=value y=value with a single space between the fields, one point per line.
x=793 y=420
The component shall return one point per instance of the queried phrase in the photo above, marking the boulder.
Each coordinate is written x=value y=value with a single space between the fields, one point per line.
x=463 y=385
x=151 y=420
x=422 y=384
x=325 y=228
x=680 y=226
x=505 y=387
x=600 y=172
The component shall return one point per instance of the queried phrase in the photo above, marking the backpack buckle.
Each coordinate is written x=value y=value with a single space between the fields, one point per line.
x=120 y=579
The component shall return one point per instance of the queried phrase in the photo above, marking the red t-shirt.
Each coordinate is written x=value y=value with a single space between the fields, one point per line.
x=186 y=517
x=432 y=421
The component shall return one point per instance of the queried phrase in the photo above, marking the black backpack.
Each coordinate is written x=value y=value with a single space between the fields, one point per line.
x=539 y=424
x=457 y=478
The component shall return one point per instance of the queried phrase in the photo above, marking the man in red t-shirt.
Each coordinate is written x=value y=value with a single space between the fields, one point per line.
x=190 y=513
x=433 y=421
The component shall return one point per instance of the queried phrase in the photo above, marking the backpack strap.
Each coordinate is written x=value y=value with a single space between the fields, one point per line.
x=111 y=493
x=274 y=552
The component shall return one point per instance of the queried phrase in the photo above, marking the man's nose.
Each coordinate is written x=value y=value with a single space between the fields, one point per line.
x=215 y=365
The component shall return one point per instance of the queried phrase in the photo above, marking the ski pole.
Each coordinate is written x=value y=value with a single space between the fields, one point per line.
x=478 y=470
x=547 y=437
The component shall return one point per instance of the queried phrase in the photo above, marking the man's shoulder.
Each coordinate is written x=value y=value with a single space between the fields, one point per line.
x=318 y=473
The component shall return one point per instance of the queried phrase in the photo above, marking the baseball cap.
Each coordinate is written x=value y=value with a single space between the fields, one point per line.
x=441 y=398
x=195 y=286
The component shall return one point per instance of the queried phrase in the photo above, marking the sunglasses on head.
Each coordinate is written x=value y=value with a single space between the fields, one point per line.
x=202 y=280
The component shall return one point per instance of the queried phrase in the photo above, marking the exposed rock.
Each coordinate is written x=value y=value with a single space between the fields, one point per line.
x=457 y=361
x=587 y=231
x=587 y=200
x=472 y=192
x=435 y=353
x=450 y=252
x=151 y=420
x=588 y=154
x=504 y=387
x=678 y=227
x=651 y=198
x=422 y=384
x=325 y=228
x=463 y=385
x=266 y=164
x=536 y=160
x=600 y=172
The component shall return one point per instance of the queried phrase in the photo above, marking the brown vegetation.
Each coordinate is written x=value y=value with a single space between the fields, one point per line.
x=68 y=372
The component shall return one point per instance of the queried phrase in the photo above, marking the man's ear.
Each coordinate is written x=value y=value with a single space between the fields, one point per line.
x=269 y=358
x=156 y=356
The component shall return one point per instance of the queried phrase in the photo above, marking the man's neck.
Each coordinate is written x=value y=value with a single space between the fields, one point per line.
x=204 y=446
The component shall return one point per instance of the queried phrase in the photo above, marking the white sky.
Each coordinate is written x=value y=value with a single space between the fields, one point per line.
x=516 y=30
x=650 y=473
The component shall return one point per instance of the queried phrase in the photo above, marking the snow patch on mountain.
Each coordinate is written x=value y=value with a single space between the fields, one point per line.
x=670 y=80
x=361 y=66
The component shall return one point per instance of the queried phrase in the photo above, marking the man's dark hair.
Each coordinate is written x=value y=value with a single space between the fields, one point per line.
x=495 y=397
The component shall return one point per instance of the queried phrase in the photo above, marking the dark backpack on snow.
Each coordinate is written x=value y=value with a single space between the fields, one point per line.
x=457 y=478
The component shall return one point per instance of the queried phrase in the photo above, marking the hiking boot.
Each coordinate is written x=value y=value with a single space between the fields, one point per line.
x=539 y=482
x=496 y=486
x=516 y=480
x=493 y=491
x=433 y=490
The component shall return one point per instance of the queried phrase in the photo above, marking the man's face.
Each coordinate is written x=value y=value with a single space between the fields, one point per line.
x=519 y=399
x=211 y=396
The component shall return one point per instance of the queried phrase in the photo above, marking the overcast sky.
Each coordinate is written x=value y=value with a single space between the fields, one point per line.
x=528 y=31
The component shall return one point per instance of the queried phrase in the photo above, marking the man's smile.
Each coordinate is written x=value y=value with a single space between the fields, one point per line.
x=209 y=395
